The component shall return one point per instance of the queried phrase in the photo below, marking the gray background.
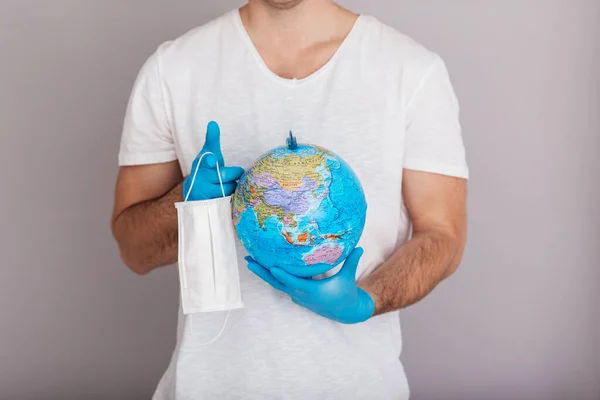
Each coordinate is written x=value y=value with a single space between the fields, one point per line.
x=519 y=320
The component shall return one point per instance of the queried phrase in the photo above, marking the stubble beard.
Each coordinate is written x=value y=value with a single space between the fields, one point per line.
x=282 y=5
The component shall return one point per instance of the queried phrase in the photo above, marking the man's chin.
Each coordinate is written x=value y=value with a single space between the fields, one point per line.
x=282 y=4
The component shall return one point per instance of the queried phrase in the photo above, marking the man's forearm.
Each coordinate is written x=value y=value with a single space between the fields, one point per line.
x=147 y=232
x=414 y=270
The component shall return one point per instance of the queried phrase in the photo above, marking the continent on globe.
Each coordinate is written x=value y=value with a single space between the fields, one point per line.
x=299 y=205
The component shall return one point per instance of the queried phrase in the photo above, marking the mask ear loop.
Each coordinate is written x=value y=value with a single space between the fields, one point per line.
x=196 y=172
x=218 y=334
x=186 y=199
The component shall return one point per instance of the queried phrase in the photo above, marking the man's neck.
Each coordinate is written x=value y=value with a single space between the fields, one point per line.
x=308 y=23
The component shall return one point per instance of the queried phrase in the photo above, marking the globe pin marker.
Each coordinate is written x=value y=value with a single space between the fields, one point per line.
x=291 y=142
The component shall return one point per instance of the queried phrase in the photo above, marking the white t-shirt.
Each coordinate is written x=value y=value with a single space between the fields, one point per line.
x=382 y=103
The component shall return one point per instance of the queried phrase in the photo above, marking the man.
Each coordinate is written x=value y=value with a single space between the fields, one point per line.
x=348 y=83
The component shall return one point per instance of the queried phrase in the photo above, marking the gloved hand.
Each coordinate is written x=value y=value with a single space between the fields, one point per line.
x=337 y=298
x=206 y=184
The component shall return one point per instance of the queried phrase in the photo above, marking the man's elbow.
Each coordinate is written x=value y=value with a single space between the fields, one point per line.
x=132 y=257
x=458 y=242
x=135 y=264
x=129 y=252
x=451 y=269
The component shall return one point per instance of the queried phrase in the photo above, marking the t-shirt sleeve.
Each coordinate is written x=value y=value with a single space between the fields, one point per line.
x=433 y=131
x=147 y=136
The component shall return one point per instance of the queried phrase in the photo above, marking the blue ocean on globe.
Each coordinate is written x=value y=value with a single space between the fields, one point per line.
x=299 y=205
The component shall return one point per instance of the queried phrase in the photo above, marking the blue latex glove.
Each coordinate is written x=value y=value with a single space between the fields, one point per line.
x=206 y=185
x=337 y=298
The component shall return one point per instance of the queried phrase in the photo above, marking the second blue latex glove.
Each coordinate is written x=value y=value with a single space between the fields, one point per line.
x=337 y=298
x=206 y=184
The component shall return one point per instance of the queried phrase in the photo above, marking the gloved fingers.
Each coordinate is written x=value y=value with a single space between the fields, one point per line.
x=212 y=142
x=209 y=161
x=214 y=190
x=207 y=191
x=294 y=282
x=228 y=188
x=265 y=275
x=299 y=302
x=351 y=262
x=316 y=310
x=186 y=187
x=307 y=270
x=228 y=174
x=304 y=302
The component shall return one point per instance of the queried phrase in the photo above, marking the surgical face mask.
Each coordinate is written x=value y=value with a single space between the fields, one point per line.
x=207 y=259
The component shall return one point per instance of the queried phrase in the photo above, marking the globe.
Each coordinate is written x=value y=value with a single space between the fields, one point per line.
x=299 y=205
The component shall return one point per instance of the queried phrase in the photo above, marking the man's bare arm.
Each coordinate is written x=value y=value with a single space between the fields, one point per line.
x=437 y=207
x=144 y=221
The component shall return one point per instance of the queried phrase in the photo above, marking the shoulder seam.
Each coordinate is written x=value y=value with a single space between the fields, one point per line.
x=422 y=83
x=162 y=92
